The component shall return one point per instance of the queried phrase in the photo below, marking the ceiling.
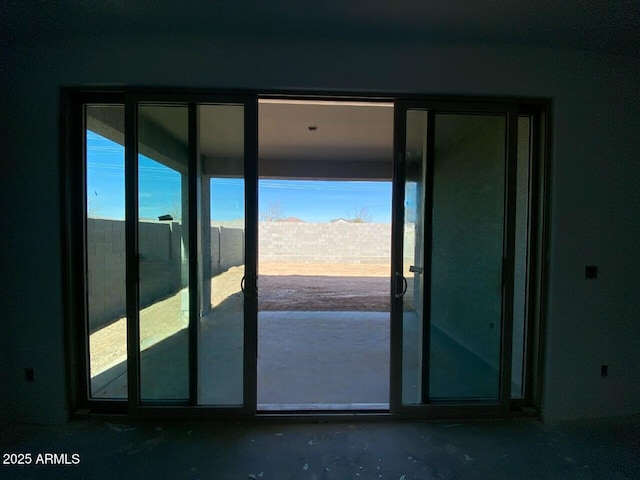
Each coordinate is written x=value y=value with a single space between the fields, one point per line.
x=354 y=131
x=299 y=138
x=608 y=25
x=325 y=131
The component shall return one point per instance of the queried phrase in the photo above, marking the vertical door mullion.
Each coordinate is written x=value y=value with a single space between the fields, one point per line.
x=193 y=184
x=75 y=212
x=251 y=255
x=511 y=163
x=75 y=138
x=397 y=225
x=426 y=256
x=131 y=253
x=532 y=383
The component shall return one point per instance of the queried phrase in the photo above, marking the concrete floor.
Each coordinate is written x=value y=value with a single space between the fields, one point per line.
x=309 y=360
x=506 y=449
x=306 y=361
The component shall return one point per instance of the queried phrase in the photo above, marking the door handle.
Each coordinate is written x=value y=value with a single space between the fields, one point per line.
x=404 y=285
x=242 y=285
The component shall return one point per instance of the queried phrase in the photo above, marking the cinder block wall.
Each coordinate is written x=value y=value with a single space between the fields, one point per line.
x=106 y=270
x=227 y=248
x=160 y=260
x=364 y=243
x=161 y=263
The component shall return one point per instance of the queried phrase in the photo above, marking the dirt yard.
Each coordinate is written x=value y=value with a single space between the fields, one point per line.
x=336 y=287
x=309 y=287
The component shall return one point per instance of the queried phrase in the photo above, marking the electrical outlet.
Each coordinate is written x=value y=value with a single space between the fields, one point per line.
x=591 y=272
x=604 y=370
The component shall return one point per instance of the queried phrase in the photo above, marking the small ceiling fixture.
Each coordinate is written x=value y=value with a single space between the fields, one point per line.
x=312 y=128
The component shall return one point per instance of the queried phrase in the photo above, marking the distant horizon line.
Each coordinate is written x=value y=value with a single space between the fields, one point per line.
x=241 y=220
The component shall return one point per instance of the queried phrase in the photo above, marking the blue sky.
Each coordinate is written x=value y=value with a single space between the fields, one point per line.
x=322 y=201
x=159 y=191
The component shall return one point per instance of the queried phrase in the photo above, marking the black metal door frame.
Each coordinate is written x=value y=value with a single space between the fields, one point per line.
x=74 y=230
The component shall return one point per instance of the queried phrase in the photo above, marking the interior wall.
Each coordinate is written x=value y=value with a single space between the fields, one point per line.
x=594 y=184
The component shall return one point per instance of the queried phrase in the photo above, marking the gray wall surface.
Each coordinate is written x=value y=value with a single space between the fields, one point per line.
x=594 y=178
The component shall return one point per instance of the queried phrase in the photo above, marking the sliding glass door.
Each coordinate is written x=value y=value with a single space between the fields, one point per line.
x=454 y=225
x=163 y=244
x=169 y=201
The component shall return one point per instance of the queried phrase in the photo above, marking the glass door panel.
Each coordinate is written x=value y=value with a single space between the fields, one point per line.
x=466 y=256
x=412 y=259
x=222 y=323
x=105 y=251
x=163 y=246
x=168 y=211
x=449 y=225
